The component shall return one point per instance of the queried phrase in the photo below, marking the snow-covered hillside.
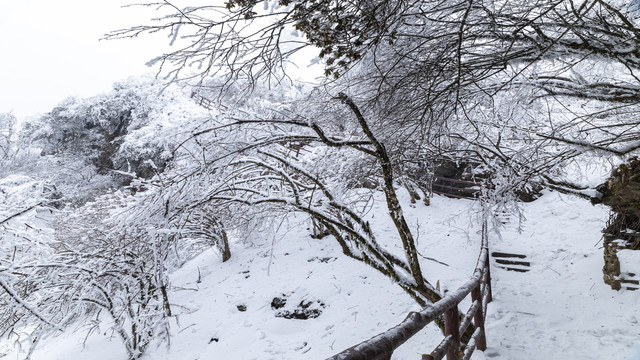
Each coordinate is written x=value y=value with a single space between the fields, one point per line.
x=560 y=309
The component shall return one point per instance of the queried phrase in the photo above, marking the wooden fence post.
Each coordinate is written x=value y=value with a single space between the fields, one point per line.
x=488 y=289
x=478 y=318
x=451 y=325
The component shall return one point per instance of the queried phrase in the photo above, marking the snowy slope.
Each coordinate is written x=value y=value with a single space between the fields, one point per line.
x=561 y=309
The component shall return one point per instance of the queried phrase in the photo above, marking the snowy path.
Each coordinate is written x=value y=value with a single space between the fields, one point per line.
x=561 y=309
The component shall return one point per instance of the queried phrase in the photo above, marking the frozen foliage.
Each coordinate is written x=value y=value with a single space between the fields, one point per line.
x=25 y=241
x=525 y=86
x=104 y=141
x=61 y=267
x=109 y=259
x=7 y=136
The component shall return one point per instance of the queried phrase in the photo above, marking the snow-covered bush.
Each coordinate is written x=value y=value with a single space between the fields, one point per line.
x=7 y=136
x=121 y=278
x=129 y=244
x=27 y=306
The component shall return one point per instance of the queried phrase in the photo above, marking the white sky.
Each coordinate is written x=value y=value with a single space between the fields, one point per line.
x=50 y=50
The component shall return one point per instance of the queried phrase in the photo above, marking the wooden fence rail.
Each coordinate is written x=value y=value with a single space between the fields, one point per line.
x=381 y=346
x=207 y=103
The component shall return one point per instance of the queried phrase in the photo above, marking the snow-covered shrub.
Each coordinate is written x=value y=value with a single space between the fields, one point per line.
x=50 y=277
x=130 y=285
x=108 y=257
x=28 y=306
x=131 y=243
x=7 y=136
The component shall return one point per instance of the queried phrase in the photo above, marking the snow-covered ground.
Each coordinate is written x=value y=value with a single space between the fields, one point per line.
x=561 y=309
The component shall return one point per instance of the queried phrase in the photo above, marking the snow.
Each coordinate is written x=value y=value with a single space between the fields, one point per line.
x=561 y=309
x=629 y=261
x=635 y=355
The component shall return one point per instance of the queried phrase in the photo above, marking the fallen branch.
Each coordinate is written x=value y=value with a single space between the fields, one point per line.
x=20 y=213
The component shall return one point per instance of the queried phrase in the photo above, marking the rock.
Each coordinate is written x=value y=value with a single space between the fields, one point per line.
x=306 y=309
x=278 y=303
x=622 y=190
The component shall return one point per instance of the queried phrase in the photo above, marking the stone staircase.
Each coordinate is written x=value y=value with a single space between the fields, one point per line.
x=511 y=262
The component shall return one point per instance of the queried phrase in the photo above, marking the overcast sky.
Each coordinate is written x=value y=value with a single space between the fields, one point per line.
x=50 y=50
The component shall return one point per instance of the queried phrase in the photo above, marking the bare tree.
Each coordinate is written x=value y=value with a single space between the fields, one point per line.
x=408 y=83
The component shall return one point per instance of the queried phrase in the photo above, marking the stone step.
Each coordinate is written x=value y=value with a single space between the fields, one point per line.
x=511 y=262
x=514 y=268
x=497 y=254
x=630 y=281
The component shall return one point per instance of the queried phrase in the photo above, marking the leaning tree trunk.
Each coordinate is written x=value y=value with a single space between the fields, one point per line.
x=393 y=204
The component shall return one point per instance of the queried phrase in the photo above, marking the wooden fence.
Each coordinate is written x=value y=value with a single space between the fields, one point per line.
x=381 y=347
x=207 y=103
